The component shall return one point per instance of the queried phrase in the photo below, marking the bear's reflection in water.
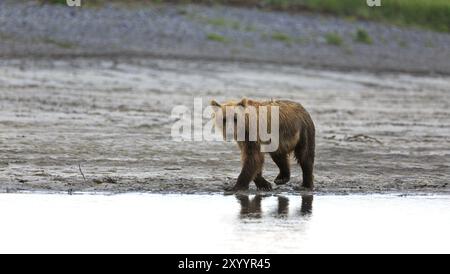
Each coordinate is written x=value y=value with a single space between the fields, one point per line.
x=251 y=207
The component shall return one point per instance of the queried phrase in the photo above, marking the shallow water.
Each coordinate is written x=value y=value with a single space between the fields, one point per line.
x=155 y=223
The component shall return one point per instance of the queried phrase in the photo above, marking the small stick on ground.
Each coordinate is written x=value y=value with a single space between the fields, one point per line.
x=82 y=174
x=363 y=137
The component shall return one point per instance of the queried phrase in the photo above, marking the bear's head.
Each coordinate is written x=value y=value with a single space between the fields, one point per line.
x=234 y=118
x=249 y=121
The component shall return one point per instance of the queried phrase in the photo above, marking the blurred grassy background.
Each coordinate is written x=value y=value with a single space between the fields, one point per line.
x=430 y=14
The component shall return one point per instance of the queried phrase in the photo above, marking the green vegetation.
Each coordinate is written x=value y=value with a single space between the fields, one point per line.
x=216 y=37
x=279 y=36
x=402 y=44
x=333 y=38
x=62 y=2
x=432 y=14
x=429 y=44
x=362 y=36
x=60 y=44
x=5 y=36
x=222 y=22
x=249 y=28
x=249 y=44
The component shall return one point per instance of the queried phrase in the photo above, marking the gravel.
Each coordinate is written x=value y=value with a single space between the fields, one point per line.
x=30 y=29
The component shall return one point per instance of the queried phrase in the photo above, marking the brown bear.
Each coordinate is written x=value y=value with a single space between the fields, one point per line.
x=296 y=133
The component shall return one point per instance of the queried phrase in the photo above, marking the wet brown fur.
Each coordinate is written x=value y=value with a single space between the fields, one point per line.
x=296 y=134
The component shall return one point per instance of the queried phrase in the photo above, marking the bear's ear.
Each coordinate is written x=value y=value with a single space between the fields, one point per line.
x=243 y=102
x=215 y=104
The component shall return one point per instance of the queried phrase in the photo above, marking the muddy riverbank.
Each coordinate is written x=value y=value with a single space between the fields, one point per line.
x=379 y=132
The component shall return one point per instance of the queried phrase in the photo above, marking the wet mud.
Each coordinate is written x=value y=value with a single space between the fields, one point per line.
x=98 y=125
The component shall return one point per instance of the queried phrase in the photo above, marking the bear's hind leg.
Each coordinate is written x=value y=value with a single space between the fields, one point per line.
x=305 y=157
x=307 y=170
x=261 y=183
x=282 y=161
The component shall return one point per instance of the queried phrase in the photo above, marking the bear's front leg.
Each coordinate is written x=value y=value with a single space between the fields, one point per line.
x=282 y=161
x=261 y=183
x=252 y=165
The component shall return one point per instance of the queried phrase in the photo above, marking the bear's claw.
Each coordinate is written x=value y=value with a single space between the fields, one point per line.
x=265 y=188
x=263 y=185
x=281 y=180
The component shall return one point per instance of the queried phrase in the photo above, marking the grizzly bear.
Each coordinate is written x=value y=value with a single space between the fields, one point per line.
x=296 y=133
